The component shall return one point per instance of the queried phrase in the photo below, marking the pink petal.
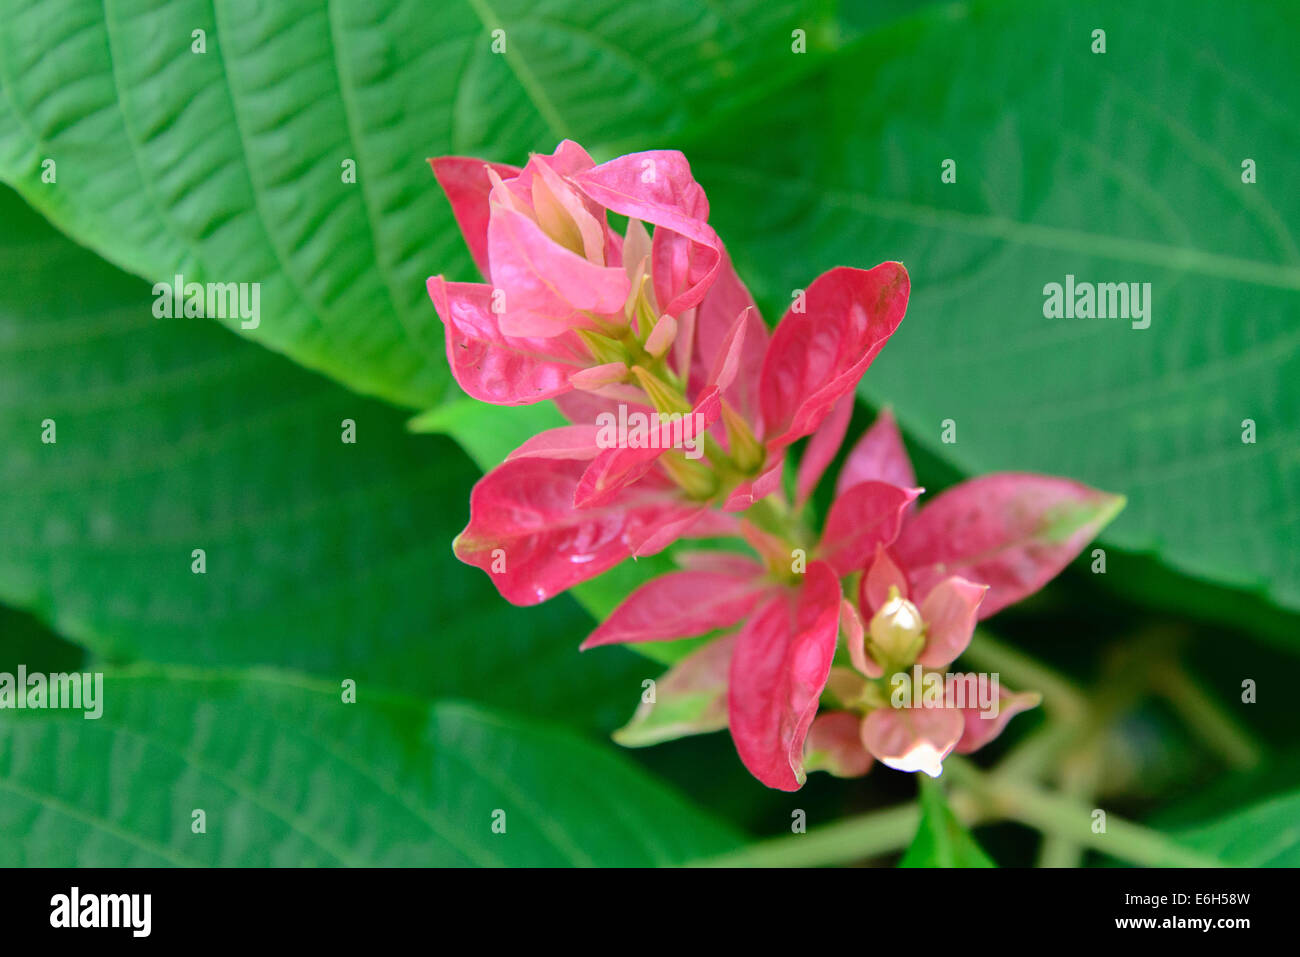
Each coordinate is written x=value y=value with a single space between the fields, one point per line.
x=598 y=377
x=882 y=574
x=587 y=219
x=726 y=299
x=979 y=730
x=823 y=445
x=650 y=539
x=618 y=467
x=584 y=408
x=466 y=183
x=949 y=611
x=1011 y=531
x=835 y=745
x=525 y=533
x=761 y=486
x=565 y=442
x=879 y=456
x=715 y=524
x=547 y=288
x=780 y=665
x=855 y=634
x=690 y=699
x=679 y=605
x=657 y=187
x=726 y=361
x=493 y=367
x=819 y=355
x=913 y=739
x=866 y=516
x=569 y=158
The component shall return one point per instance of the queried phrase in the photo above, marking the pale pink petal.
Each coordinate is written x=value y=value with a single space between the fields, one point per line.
x=546 y=288
x=882 y=574
x=572 y=211
x=491 y=366
x=949 y=611
x=565 y=442
x=818 y=355
x=598 y=377
x=879 y=456
x=1011 y=531
x=780 y=665
x=690 y=699
x=715 y=524
x=466 y=183
x=822 y=447
x=979 y=730
x=584 y=408
x=855 y=640
x=726 y=362
x=913 y=739
x=864 y=517
x=679 y=605
x=657 y=187
x=834 y=745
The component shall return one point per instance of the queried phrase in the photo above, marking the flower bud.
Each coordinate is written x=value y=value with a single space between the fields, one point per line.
x=897 y=632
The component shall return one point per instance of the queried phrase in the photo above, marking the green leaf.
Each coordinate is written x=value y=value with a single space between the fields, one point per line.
x=228 y=165
x=321 y=556
x=1117 y=167
x=287 y=774
x=1266 y=835
x=942 y=840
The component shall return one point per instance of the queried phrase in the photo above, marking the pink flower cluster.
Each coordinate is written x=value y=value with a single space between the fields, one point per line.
x=656 y=321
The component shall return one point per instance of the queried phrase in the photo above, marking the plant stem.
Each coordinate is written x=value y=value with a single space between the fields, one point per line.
x=1079 y=774
x=1220 y=731
x=1053 y=814
x=843 y=842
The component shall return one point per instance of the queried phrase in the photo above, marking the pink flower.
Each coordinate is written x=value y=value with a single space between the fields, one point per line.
x=682 y=338
x=976 y=548
x=655 y=325
x=788 y=610
x=565 y=293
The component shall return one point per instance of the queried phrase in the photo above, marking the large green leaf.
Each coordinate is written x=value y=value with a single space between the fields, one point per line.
x=321 y=556
x=1266 y=835
x=942 y=840
x=1117 y=167
x=227 y=165
x=288 y=774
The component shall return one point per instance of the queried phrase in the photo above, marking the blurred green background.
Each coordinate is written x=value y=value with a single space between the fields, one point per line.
x=140 y=139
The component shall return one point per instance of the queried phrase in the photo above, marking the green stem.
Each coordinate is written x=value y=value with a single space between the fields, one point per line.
x=843 y=842
x=1053 y=814
x=1220 y=731
x=1079 y=775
